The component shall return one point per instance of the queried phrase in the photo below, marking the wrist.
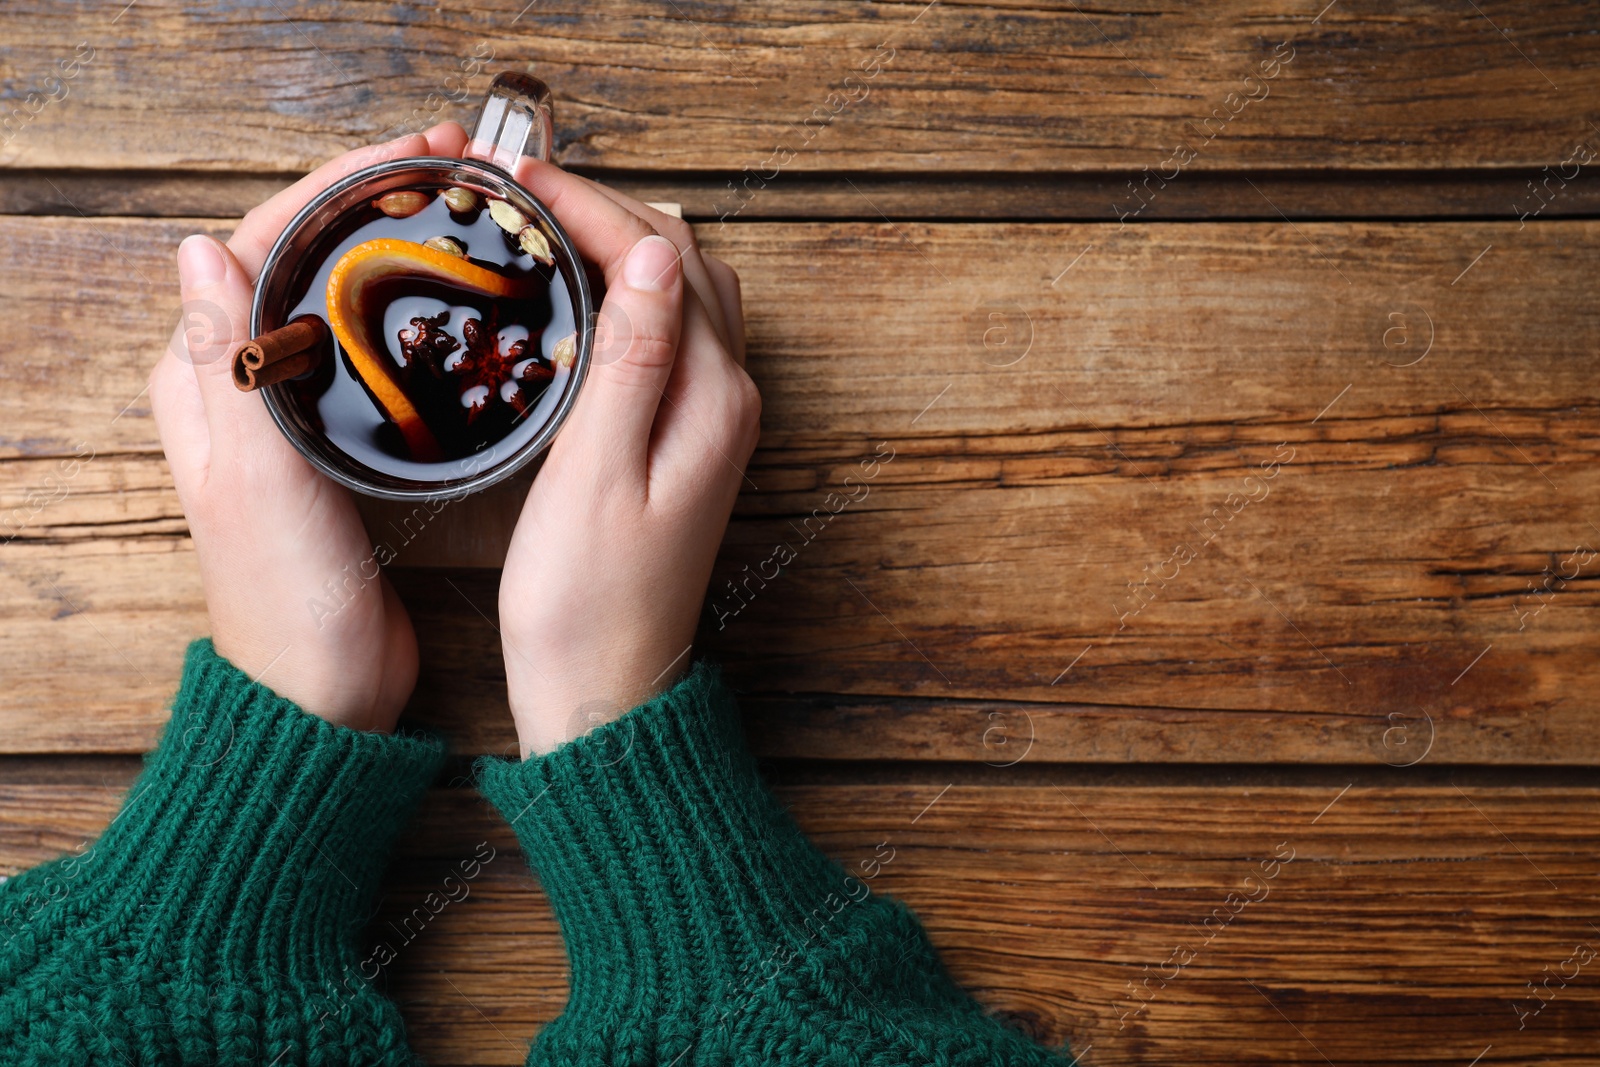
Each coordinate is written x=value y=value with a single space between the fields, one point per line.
x=548 y=716
x=318 y=684
x=551 y=707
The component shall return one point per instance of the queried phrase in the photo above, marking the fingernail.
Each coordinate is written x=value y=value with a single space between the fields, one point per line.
x=200 y=262
x=652 y=265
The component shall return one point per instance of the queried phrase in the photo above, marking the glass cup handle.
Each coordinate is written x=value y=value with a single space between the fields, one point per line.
x=517 y=122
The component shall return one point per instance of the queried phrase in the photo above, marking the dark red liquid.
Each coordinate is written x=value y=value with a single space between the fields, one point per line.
x=479 y=370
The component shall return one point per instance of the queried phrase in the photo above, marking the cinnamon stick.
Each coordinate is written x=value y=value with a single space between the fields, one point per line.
x=284 y=353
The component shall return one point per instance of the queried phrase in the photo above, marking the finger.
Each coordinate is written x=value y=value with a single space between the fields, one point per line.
x=603 y=230
x=708 y=353
x=261 y=225
x=578 y=194
x=180 y=415
x=446 y=139
x=726 y=279
x=630 y=369
x=698 y=277
x=702 y=358
x=681 y=234
x=702 y=425
x=215 y=285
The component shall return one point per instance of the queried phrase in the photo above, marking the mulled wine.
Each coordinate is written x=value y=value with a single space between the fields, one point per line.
x=452 y=332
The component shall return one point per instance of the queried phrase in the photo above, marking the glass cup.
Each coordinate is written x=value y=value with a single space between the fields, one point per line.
x=514 y=126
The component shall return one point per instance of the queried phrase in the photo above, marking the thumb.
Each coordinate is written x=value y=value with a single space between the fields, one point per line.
x=636 y=345
x=213 y=322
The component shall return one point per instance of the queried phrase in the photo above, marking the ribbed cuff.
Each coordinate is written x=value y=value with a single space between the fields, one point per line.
x=671 y=868
x=256 y=836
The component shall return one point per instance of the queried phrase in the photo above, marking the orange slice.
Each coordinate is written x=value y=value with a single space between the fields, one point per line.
x=349 y=288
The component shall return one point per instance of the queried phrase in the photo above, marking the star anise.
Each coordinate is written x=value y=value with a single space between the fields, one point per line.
x=483 y=367
x=427 y=343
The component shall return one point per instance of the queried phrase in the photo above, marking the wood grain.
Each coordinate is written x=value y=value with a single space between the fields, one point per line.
x=975 y=87
x=1404 y=930
x=1374 y=594
x=1385 y=663
x=1037 y=329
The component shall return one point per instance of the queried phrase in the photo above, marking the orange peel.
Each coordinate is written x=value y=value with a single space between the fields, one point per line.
x=348 y=316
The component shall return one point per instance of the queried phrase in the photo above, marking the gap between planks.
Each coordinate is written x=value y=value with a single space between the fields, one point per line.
x=119 y=770
x=1485 y=194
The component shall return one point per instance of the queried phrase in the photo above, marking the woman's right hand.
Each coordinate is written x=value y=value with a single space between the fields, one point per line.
x=292 y=586
x=611 y=557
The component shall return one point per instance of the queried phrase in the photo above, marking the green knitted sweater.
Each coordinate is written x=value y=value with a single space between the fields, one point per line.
x=218 y=920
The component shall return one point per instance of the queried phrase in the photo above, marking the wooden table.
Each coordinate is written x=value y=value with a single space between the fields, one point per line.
x=1237 y=365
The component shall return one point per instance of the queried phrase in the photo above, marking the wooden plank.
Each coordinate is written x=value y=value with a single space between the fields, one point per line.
x=72 y=281
x=797 y=86
x=1163 y=330
x=1378 y=592
x=104 y=633
x=1404 y=930
x=96 y=613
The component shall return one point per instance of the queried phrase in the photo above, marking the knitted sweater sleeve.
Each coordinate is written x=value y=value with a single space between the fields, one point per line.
x=702 y=928
x=218 y=919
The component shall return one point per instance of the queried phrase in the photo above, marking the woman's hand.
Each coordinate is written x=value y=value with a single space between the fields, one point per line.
x=611 y=557
x=292 y=589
